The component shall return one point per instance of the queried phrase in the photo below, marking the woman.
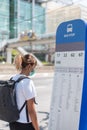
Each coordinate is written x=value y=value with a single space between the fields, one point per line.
x=25 y=91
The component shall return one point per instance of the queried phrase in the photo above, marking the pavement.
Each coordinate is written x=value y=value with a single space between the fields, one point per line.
x=10 y=69
x=36 y=75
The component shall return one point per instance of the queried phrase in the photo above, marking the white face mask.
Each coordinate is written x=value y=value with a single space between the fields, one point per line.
x=32 y=73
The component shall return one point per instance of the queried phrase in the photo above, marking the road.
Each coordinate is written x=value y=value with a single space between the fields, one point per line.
x=43 y=83
x=44 y=88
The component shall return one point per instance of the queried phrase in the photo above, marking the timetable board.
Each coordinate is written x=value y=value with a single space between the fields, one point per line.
x=68 y=110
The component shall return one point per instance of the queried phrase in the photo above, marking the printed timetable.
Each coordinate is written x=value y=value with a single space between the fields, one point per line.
x=66 y=100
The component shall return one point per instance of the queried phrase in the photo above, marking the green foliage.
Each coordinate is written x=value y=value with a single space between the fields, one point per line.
x=14 y=53
x=47 y=63
x=2 y=58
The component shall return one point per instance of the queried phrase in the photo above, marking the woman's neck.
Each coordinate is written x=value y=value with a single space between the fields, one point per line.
x=25 y=73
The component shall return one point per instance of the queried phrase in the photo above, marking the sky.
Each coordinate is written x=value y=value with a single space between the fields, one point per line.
x=52 y=4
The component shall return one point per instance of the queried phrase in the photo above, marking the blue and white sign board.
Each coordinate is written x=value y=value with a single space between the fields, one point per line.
x=68 y=109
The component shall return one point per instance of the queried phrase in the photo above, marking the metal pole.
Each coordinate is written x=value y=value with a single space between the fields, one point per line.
x=33 y=14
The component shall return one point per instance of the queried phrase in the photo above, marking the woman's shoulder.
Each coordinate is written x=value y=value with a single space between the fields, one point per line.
x=15 y=77
x=21 y=77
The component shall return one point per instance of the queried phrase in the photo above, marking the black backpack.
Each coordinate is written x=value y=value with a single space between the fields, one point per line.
x=8 y=105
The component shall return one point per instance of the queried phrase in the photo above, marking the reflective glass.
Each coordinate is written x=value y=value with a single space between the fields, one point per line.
x=4 y=19
x=26 y=18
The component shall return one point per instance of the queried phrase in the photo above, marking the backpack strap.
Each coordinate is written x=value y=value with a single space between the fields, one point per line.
x=21 y=78
x=25 y=103
x=27 y=117
x=22 y=106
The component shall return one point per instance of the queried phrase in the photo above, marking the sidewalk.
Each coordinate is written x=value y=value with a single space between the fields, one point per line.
x=10 y=69
x=36 y=75
x=7 y=71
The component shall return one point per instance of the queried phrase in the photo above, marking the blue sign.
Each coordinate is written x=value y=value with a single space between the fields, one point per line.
x=71 y=31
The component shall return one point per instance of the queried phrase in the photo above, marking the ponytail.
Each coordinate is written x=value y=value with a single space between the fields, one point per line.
x=21 y=61
x=18 y=62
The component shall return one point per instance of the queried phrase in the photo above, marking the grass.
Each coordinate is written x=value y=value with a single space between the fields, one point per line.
x=47 y=63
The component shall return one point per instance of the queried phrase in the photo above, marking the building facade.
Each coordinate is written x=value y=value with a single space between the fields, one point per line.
x=16 y=17
x=4 y=19
x=58 y=15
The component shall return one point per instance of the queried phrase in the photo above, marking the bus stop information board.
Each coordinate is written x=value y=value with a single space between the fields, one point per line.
x=68 y=109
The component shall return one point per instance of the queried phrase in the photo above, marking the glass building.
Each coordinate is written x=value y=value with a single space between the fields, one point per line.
x=25 y=19
x=13 y=19
x=4 y=19
x=16 y=17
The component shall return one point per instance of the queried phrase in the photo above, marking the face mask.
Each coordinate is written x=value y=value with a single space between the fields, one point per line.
x=32 y=73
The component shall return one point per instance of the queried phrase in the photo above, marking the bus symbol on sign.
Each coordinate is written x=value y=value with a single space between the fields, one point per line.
x=69 y=28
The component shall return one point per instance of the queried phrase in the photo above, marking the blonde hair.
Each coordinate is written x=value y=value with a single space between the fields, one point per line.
x=21 y=61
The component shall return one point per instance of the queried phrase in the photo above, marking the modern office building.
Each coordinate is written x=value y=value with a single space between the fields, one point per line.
x=58 y=15
x=17 y=16
x=4 y=19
